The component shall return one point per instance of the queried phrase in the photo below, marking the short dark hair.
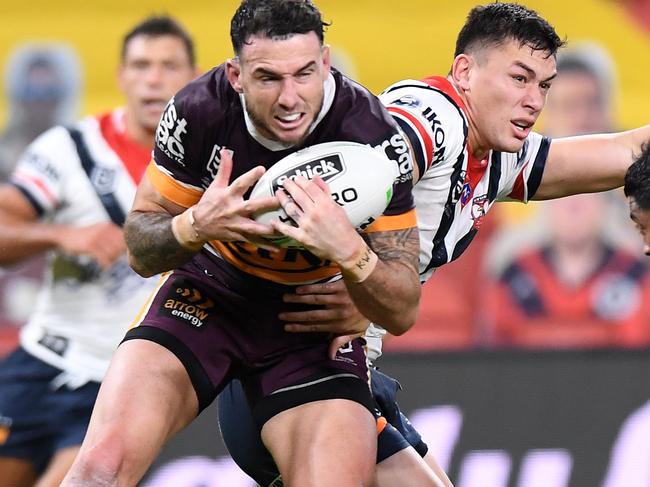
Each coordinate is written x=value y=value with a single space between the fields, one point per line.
x=274 y=19
x=157 y=26
x=496 y=23
x=637 y=179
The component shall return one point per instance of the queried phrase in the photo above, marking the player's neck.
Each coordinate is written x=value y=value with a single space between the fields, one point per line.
x=477 y=148
x=138 y=132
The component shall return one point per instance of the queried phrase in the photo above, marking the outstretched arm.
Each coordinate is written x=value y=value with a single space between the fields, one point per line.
x=23 y=235
x=589 y=163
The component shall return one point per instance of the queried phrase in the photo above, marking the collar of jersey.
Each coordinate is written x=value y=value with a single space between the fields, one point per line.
x=329 y=89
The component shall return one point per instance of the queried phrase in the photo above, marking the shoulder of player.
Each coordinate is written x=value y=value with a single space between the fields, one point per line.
x=535 y=149
x=206 y=99
x=48 y=159
x=55 y=139
x=431 y=117
x=437 y=103
x=355 y=99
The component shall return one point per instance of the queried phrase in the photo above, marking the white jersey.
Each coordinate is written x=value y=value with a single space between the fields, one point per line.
x=454 y=191
x=82 y=313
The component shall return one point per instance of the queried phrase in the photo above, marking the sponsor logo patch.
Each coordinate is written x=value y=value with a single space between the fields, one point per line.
x=103 y=180
x=396 y=149
x=54 y=343
x=169 y=135
x=458 y=190
x=409 y=101
x=479 y=209
x=43 y=165
x=465 y=194
x=327 y=167
x=213 y=164
x=186 y=303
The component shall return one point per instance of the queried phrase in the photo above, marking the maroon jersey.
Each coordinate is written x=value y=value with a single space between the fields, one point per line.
x=208 y=115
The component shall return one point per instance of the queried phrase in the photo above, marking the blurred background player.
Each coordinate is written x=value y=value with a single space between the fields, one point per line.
x=574 y=285
x=42 y=84
x=575 y=289
x=583 y=97
x=68 y=197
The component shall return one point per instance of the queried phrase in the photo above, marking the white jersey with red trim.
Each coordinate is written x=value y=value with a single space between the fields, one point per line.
x=82 y=312
x=455 y=191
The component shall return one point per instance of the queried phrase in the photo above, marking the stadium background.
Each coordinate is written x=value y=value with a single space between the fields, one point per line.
x=494 y=419
x=386 y=40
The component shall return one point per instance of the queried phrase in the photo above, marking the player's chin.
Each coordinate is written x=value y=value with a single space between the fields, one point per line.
x=292 y=137
x=513 y=144
x=149 y=123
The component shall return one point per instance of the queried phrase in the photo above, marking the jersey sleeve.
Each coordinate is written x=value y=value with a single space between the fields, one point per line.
x=431 y=121
x=522 y=171
x=175 y=170
x=40 y=172
x=436 y=129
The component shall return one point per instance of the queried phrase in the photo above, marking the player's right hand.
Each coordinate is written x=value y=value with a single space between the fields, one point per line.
x=223 y=214
x=102 y=242
x=333 y=312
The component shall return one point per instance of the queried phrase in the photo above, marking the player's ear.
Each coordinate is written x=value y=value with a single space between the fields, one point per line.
x=327 y=63
x=461 y=70
x=233 y=72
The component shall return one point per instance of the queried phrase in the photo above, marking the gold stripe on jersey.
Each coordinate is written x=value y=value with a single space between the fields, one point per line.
x=288 y=266
x=145 y=307
x=171 y=189
x=387 y=223
x=295 y=266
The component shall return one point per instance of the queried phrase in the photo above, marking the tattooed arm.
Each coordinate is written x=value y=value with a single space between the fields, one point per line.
x=381 y=273
x=390 y=293
x=162 y=235
x=152 y=246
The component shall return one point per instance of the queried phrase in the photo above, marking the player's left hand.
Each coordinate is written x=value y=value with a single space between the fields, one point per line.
x=322 y=225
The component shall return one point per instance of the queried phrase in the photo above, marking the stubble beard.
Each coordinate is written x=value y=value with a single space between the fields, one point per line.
x=267 y=132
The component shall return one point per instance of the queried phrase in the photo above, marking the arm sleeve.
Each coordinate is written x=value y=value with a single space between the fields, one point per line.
x=41 y=171
x=522 y=172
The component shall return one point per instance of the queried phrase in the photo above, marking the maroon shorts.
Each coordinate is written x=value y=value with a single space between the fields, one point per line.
x=223 y=324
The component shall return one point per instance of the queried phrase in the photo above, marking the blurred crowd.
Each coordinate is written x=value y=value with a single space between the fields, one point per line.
x=43 y=86
x=552 y=275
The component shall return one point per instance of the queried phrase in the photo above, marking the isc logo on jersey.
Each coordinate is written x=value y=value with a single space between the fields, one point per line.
x=396 y=150
x=326 y=167
x=170 y=132
x=213 y=164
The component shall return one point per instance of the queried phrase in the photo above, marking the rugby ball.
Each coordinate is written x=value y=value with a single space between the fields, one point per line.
x=360 y=179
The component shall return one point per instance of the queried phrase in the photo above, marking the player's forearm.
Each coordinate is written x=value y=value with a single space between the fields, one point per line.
x=591 y=163
x=152 y=246
x=389 y=293
x=22 y=240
